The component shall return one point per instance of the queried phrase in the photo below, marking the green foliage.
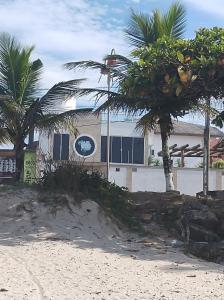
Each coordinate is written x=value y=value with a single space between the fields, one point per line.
x=155 y=162
x=171 y=77
x=167 y=79
x=20 y=109
x=218 y=164
x=82 y=183
x=144 y=29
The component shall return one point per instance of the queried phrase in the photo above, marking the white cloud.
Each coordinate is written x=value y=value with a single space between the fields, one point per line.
x=211 y=6
x=62 y=31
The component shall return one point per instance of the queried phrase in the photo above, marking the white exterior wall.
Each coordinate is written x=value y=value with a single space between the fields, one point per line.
x=143 y=180
x=191 y=181
x=120 y=176
x=126 y=129
x=187 y=180
x=45 y=143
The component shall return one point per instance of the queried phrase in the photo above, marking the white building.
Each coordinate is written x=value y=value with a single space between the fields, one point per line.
x=130 y=152
x=128 y=146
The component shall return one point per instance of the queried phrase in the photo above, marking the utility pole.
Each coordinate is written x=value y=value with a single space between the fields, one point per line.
x=110 y=62
x=206 y=157
x=108 y=127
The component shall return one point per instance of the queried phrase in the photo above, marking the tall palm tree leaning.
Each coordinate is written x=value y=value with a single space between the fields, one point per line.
x=142 y=31
x=20 y=108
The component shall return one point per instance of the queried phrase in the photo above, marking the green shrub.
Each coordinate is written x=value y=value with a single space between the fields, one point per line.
x=218 y=164
x=81 y=183
x=155 y=162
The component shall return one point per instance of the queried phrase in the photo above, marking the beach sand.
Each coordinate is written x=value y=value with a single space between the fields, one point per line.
x=85 y=256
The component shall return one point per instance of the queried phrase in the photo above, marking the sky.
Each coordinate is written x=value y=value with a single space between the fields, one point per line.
x=73 y=30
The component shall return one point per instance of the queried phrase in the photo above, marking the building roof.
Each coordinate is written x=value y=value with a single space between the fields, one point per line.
x=184 y=128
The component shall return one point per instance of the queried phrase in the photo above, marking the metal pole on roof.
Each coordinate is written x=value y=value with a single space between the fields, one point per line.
x=206 y=157
x=108 y=128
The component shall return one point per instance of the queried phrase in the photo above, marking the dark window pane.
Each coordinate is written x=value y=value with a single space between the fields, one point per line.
x=126 y=150
x=116 y=149
x=103 y=148
x=56 y=147
x=138 y=150
x=65 y=147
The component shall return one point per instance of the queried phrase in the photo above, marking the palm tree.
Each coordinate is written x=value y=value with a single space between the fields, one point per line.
x=143 y=30
x=21 y=110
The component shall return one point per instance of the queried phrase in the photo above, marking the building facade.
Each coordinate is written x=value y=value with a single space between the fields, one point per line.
x=127 y=145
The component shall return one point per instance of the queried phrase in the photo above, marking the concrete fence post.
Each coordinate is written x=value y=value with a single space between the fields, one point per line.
x=129 y=179
x=175 y=179
x=218 y=180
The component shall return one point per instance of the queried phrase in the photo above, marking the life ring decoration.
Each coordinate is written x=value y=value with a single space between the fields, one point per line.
x=85 y=146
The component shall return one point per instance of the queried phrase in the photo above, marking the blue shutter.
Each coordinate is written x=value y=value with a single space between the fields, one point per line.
x=56 y=147
x=103 y=148
x=126 y=150
x=116 y=149
x=138 y=151
x=65 y=147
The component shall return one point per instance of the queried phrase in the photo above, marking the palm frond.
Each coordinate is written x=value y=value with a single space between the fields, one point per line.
x=30 y=82
x=94 y=65
x=117 y=102
x=139 y=31
x=147 y=122
x=11 y=112
x=19 y=77
x=59 y=93
x=85 y=64
x=4 y=136
x=175 y=21
x=31 y=116
x=61 y=120
x=10 y=119
x=120 y=66
x=144 y=29
x=94 y=93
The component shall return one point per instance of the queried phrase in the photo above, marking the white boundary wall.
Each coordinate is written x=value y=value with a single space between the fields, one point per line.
x=186 y=180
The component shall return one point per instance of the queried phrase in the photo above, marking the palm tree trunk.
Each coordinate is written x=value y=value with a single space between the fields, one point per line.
x=19 y=161
x=167 y=163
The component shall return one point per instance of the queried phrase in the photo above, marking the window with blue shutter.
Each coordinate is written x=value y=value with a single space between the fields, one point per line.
x=126 y=150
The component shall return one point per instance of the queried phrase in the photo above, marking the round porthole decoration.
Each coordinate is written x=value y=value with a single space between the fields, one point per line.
x=85 y=145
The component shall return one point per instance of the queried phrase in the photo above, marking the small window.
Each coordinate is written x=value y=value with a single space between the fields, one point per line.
x=117 y=169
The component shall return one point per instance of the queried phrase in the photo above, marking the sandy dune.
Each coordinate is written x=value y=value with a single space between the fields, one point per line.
x=83 y=256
